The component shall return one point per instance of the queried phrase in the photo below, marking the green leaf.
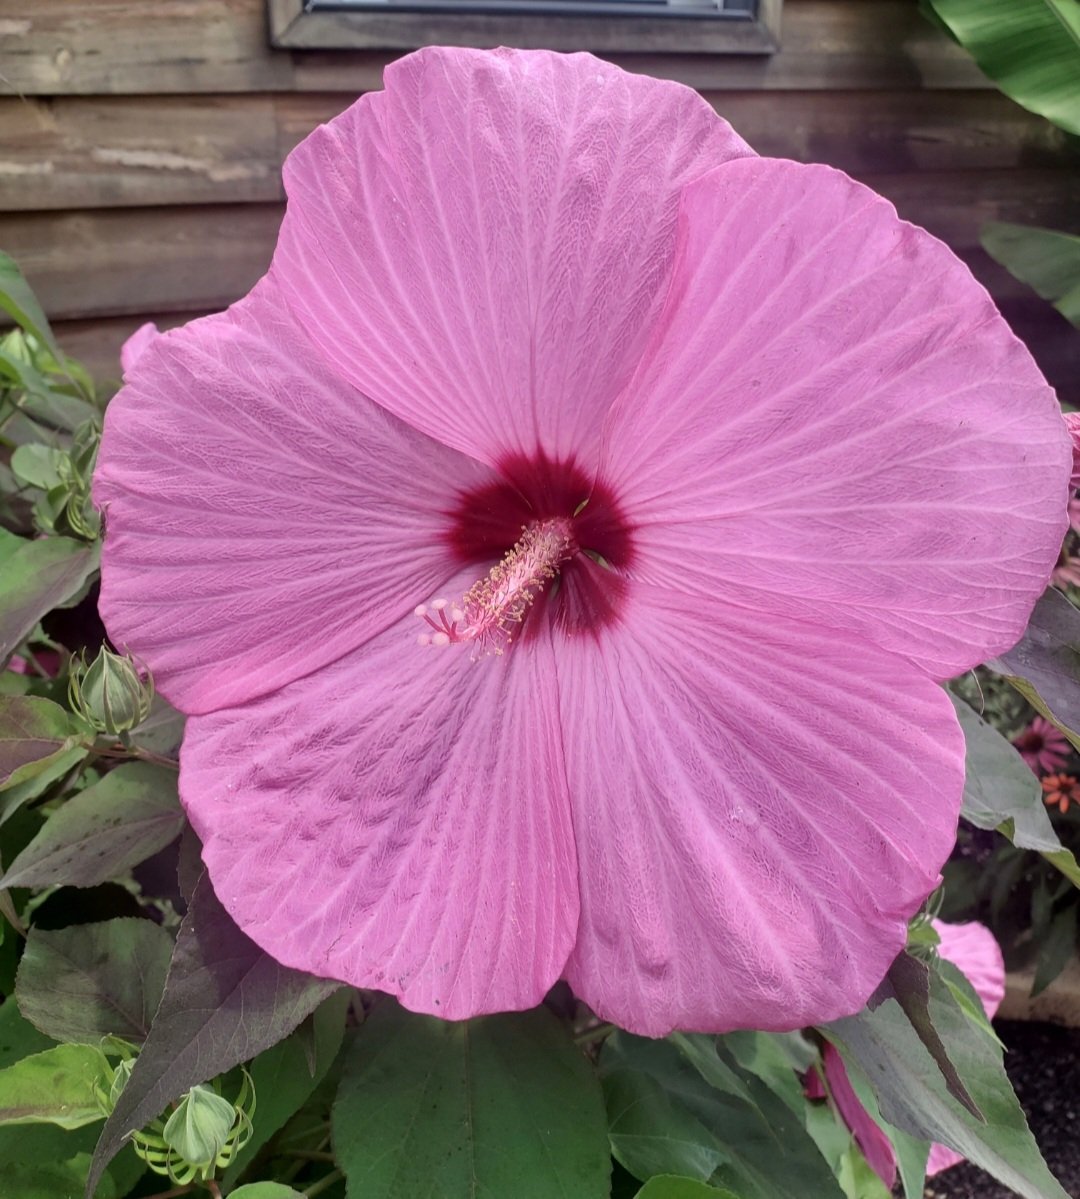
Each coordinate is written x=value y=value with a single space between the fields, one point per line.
x=94 y=980
x=1046 y=260
x=35 y=577
x=54 y=1087
x=651 y=1132
x=1048 y=658
x=908 y=982
x=668 y=1186
x=1002 y=793
x=39 y=465
x=502 y=1105
x=1029 y=48
x=265 y=1190
x=756 y=1144
x=19 y=302
x=30 y=1145
x=284 y=1077
x=52 y=1179
x=104 y=831
x=911 y=1093
x=999 y=785
x=1056 y=948
x=225 y=1001
x=33 y=733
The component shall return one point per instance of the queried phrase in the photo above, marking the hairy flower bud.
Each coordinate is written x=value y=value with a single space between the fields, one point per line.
x=109 y=693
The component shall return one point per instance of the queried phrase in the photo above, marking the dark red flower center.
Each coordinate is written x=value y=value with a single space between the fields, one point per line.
x=555 y=533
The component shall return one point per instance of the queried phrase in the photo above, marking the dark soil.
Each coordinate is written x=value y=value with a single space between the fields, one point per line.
x=1044 y=1064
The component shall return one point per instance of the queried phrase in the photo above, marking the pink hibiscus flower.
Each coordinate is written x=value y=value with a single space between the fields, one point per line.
x=752 y=464
x=974 y=951
x=1072 y=423
x=1043 y=746
x=136 y=345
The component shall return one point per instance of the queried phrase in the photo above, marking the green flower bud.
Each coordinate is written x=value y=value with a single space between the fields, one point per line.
x=120 y=1078
x=200 y=1127
x=109 y=694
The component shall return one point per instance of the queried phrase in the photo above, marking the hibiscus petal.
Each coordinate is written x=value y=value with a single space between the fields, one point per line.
x=759 y=807
x=875 y=1145
x=483 y=247
x=974 y=951
x=398 y=820
x=834 y=422
x=262 y=517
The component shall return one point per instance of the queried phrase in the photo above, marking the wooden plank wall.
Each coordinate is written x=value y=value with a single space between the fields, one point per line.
x=141 y=143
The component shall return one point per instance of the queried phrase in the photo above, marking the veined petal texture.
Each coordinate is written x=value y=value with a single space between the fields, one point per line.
x=397 y=820
x=263 y=517
x=759 y=805
x=833 y=421
x=483 y=247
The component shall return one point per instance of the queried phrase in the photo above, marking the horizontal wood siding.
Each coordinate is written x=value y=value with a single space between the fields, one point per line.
x=141 y=144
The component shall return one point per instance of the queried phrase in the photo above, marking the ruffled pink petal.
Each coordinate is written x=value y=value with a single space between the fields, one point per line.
x=759 y=807
x=483 y=247
x=397 y=820
x=834 y=422
x=974 y=951
x=262 y=517
x=875 y=1145
x=132 y=349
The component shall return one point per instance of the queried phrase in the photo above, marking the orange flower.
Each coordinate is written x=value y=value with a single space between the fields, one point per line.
x=1061 y=790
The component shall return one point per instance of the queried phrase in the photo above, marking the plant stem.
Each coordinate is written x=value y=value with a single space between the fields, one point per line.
x=323 y=1184
x=597 y=1033
x=310 y=1155
x=184 y=1190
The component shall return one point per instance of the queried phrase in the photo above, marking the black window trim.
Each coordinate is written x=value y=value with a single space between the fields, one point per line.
x=293 y=27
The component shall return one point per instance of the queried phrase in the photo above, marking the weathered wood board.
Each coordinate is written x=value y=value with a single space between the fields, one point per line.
x=136 y=47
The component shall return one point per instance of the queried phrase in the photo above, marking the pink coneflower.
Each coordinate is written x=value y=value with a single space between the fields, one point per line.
x=1043 y=746
x=714 y=467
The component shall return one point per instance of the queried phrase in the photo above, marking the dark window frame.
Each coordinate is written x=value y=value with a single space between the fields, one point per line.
x=292 y=27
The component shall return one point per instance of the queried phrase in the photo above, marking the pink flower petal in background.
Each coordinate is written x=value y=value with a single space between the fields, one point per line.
x=828 y=421
x=872 y=1141
x=973 y=950
x=132 y=349
x=709 y=776
x=259 y=524
x=414 y=809
x=747 y=810
x=1072 y=423
x=484 y=246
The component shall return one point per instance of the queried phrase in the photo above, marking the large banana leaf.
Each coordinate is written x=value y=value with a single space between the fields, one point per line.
x=1047 y=261
x=1030 y=48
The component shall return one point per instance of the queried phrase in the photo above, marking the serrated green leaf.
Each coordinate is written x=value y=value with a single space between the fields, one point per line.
x=225 y=1001
x=35 y=577
x=284 y=1078
x=19 y=302
x=104 y=831
x=54 y=1087
x=499 y=1105
x=1029 y=48
x=34 y=732
x=912 y=1096
x=94 y=980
